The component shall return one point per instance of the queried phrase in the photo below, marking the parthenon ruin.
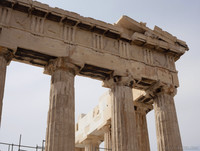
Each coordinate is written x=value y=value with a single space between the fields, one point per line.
x=135 y=62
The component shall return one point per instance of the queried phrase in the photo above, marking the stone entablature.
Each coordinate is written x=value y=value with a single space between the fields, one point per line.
x=93 y=123
x=38 y=33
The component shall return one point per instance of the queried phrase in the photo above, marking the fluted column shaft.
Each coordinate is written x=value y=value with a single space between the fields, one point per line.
x=3 y=66
x=142 y=130
x=124 y=134
x=167 y=129
x=107 y=138
x=5 y=58
x=60 y=134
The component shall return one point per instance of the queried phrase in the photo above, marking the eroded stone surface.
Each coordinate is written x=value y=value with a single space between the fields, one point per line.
x=5 y=58
x=3 y=66
x=124 y=134
x=167 y=129
x=39 y=33
x=141 y=126
x=60 y=133
x=108 y=137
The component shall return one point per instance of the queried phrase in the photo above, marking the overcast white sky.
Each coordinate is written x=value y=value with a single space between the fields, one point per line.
x=26 y=97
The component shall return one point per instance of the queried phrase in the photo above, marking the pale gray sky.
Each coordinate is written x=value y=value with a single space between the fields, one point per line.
x=26 y=97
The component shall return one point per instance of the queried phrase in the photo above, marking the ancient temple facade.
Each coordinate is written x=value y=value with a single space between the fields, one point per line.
x=126 y=56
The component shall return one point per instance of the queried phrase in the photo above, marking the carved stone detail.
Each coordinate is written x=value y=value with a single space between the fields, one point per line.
x=97 y=41
x=68 y=33
x=148 y=56
x=37 y=24
x=5 y=15
x=170 y=62
x=124 y=49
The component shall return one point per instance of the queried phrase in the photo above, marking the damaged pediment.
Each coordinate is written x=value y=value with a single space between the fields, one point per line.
x=158 y=39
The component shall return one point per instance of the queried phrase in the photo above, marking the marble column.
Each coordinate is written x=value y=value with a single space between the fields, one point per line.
x=60 y=133
x=141 y=125
x=5 y=58
x=124 y=134
x=92 y=145
x=167 y=129
x=107 y=138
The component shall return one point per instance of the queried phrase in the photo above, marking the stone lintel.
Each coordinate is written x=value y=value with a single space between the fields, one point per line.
x=113 y=31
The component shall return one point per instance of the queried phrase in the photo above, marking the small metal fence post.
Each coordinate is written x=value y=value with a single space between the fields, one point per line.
x=20 y=139
x=43 y=145
x=9 y=147
x=12 y=148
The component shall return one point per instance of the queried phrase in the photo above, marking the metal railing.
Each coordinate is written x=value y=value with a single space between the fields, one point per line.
x=19 y=147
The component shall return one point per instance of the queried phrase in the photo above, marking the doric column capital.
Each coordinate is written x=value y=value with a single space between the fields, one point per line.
x=166 y=89
x=160 y=88
x=106 y=128
x=7 y=54
x=142 y=107
x=119 y=80
x=92 y=140
x=60 y=63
